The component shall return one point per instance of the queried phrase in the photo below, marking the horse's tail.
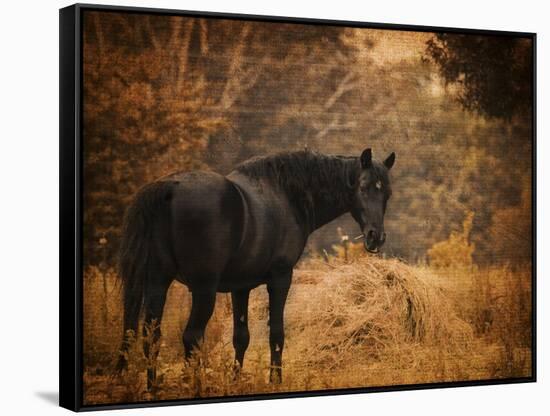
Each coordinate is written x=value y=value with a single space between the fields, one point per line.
x=135 y=254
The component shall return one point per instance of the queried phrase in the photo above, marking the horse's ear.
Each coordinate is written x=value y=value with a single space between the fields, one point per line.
x=366 y=159
x=390 y=160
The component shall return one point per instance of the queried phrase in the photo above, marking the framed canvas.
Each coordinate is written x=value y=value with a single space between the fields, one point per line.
x=257 y=207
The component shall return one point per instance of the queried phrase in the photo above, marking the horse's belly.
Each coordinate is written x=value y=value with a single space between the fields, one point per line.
x=235 y=278
x=240 y=282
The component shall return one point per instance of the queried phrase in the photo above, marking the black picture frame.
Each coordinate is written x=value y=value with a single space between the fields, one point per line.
x=71 y=185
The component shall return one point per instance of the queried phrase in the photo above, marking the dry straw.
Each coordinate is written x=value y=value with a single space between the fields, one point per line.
x=351 y=320
x=374 y=305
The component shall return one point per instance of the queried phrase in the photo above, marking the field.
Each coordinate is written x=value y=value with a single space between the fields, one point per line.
x=451 y=301
x=352 y=321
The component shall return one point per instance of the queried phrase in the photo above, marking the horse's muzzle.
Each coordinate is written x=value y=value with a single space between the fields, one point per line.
x=373 y=241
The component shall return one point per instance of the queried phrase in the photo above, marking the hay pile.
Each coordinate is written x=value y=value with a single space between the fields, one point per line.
x=371 y=307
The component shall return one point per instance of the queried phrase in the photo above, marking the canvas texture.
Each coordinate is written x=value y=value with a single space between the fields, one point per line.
x=179 y=109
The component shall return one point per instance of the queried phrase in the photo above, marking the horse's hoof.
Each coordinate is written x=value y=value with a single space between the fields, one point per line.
x=121 y=366
x=236 y=371
x=276 y=376
x=152 y=380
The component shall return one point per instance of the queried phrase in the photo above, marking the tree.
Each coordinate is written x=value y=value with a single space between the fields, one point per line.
x=492 y=74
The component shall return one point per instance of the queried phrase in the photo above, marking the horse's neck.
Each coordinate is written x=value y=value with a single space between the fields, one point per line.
x=326 y=211
x=329 y=204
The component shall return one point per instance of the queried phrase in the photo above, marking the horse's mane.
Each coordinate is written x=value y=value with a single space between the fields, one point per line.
x=304 y=169
x=306 y=174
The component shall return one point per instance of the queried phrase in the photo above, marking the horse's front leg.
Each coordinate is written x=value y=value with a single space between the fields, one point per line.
x=241 y=336
x=277 y=288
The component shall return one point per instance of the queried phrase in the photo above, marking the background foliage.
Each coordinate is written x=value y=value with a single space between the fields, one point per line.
x=170 y=93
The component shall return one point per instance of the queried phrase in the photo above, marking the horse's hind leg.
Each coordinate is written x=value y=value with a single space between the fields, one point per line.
x=155 y=298
x=202 y=306
x=241 y=336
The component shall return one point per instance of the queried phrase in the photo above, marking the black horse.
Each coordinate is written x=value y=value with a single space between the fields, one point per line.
x=232 y=233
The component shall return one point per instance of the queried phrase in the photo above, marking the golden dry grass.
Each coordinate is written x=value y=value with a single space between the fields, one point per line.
x=363 y=322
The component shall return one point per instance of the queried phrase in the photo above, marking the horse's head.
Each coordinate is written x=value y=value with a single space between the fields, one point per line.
x=371 y=198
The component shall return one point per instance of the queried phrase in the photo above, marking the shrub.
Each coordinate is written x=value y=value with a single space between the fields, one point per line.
x=457 y=250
